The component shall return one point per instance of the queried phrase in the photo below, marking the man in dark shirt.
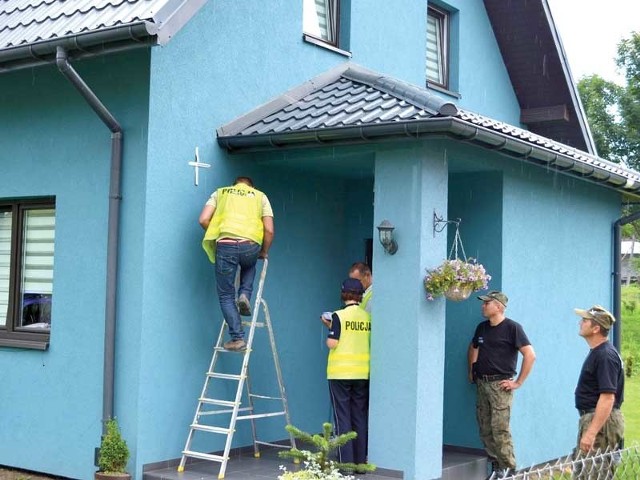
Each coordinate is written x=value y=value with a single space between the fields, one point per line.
x=493 y=357
x=600 y=390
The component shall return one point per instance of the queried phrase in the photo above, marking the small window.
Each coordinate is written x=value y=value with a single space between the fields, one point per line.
x=437 y=47
x=27 y=234
x=326 y=22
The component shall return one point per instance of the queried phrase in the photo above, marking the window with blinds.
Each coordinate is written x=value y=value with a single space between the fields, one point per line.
x=320 y=20
x=36 y=280
x=5 y=264
x=27 y=238
x=437 y=47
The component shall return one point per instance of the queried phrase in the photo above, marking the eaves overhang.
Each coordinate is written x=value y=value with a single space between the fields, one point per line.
x=351 y=105
x=31 y=31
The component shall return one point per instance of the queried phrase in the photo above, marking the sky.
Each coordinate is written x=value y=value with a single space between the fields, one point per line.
x=590 y=31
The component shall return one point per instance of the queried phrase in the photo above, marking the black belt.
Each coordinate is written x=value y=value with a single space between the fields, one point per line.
x=591 y=410
x=493 y=378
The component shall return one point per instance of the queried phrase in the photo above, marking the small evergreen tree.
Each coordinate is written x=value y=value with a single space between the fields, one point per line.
x=320 y=461
x=114 y=452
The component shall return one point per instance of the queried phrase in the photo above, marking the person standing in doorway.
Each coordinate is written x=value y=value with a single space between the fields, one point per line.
x=238 y=224
x=362 y=271
x=599 y=394
x=493 y=357
x=348 y=371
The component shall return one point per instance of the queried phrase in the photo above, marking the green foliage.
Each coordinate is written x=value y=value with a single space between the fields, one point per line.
x=318 y=464
x=600 y=98
x=114 y=452
x=614 y=111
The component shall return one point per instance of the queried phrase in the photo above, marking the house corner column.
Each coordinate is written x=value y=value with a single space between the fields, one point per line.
x=407 y=344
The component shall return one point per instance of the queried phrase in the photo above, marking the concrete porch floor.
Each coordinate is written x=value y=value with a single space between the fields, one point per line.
x=243 y=466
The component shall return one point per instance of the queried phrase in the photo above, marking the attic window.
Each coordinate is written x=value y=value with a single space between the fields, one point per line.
x=437 y=47
x=326 y=23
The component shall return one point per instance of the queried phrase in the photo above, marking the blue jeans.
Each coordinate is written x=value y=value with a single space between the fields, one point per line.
x=230 y=256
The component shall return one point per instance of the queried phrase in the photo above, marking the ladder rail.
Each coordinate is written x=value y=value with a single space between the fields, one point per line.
x=243 y=388
x=276 y=362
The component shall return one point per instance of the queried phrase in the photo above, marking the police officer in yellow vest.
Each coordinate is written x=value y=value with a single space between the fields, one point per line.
x=348 y=371
x=362 y=272
x=238 y=224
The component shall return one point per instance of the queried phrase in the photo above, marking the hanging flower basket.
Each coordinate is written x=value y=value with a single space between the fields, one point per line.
x=456 y=278
x=457 y=293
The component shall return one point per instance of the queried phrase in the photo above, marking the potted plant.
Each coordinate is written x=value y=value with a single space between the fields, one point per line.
x=456 y=279
x=318 y=465
x=114 y=454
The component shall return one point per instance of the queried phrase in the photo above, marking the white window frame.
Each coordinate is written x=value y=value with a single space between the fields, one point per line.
x=437 y=54
x=320 y=20
x=27 y=237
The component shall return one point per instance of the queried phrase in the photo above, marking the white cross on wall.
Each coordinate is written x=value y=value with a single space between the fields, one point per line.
x=197 y=164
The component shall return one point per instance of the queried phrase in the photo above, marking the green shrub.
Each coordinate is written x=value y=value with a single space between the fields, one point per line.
x=114 y=452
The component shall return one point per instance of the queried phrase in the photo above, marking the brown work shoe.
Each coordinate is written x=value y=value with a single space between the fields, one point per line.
x=235 y=345
x=244 y=306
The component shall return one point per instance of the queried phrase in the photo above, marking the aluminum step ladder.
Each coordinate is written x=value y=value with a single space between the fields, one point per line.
x=209 y=406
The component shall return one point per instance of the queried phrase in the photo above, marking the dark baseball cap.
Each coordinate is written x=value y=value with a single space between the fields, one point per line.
x=494 y=295
x=352 y=285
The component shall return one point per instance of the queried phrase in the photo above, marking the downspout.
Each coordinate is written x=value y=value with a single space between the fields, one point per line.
x=617 y=275
x=113 y=226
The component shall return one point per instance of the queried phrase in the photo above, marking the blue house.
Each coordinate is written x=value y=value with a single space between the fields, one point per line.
x=346 y=114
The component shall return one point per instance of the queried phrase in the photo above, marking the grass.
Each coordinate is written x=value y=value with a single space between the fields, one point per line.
x=631 y=356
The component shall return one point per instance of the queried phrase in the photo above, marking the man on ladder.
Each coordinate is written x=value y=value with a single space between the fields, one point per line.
x=238 y=224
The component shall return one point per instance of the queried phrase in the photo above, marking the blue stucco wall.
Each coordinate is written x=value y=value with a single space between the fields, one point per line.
x=527 y=226
x=476 y=199
x=54 y=145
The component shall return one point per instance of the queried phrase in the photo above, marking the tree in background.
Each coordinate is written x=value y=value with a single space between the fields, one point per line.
x=613 y=111
x=629 y=103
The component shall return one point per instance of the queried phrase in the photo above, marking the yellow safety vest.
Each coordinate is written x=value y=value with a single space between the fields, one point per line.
x=238 y=214
x=350 y=359
x=365 y=299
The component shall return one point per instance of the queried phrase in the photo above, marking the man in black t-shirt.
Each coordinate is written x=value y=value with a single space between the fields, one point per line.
x=600 y=391
x=493 y=357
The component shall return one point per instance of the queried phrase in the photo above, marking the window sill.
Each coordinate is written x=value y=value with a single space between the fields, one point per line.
x=321 y=43
x=438 y=88
x=24 y=344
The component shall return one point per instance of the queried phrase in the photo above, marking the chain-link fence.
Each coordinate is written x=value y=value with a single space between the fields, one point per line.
x=608 y=465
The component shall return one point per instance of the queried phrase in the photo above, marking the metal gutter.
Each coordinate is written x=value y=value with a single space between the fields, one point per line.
x=112 y=124
x=77 y=46
x=609 y=176
x=617 y=275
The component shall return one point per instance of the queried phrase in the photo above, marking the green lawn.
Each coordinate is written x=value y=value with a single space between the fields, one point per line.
x=631 y=356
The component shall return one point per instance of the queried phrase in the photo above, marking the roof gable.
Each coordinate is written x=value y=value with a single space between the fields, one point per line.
x=536 y=62
x=350 y=104
x=30 y=30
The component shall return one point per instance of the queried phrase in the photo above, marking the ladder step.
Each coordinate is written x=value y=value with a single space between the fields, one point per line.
x=253 y=395
x=217 y=412
x=213 y=401
x=259 y=415
x=210 y=429
x=258 y=324
x=225 y=376
x=277 y=445
x=203 y=456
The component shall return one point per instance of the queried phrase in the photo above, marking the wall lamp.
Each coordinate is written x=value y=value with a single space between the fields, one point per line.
x=385 y=230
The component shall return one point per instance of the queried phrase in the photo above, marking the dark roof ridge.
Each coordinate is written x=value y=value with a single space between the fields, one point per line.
x=420 y=97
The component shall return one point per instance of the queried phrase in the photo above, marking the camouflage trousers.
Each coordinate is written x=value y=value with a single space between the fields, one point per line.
x=601 y=462
x=493 y=411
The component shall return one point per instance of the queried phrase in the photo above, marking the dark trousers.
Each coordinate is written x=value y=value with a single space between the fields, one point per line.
x=350 y=402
